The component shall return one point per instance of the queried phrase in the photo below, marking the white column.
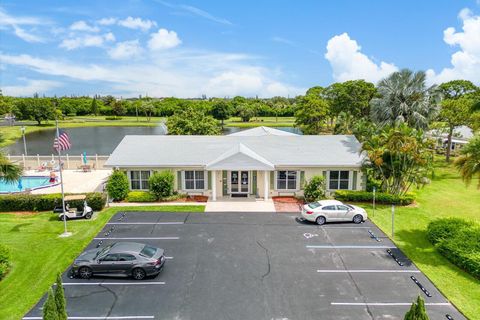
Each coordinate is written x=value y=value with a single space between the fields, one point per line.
x=266 y=184
x=214 y=185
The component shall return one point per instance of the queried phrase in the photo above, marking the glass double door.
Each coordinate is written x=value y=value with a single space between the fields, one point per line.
x=239 y=182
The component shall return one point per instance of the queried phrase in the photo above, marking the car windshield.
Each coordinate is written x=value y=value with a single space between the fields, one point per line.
x=314 y=205
x=103 y=252
x=148 y=251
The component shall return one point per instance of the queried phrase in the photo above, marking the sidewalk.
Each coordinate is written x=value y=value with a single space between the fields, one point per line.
x=152 y=204
x=240 y=205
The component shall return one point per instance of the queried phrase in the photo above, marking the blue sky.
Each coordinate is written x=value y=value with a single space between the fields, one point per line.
x=227 y=48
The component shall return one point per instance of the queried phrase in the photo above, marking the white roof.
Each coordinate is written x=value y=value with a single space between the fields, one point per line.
x=237 y=152
x=263 y=131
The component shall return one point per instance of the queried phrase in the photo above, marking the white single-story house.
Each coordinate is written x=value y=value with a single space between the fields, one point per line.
x=261 y=162
x=461 y=136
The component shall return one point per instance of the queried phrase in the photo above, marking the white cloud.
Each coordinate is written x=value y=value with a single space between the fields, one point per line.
x=349 y=63
x=168 y=73
x=13 y=23
x=466 y=61
x=125 y=50
x=86 y=41
x=30 y=87
x=163 y=39
x=137 y=23
x=83 y=26
x=107 y=21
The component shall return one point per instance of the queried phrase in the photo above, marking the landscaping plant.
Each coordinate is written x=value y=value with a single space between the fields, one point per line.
x=417 y=311
x=161 y=184
x=314 y=189
x=4 y=260
x=50 y=311
x=60 y=300
x=380 y=197
x=117 y=185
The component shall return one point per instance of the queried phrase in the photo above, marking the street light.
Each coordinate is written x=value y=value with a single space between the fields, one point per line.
x=22 y=128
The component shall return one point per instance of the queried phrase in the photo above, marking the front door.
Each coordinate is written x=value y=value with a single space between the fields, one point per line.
x=239 y=182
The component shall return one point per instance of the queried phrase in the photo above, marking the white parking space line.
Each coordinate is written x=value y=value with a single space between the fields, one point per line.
x=368 y=271
x=169 y=258
x=112 y=283
x=148 y=223
x=349 y=247
x=139 y=238
x=364 y=304
x=98 y=318
x=327 y=227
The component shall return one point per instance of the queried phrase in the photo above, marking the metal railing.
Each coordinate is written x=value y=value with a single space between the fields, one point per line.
x=69 y=161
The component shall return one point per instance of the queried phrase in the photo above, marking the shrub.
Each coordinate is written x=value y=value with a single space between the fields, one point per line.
x=60 y=300
x=141 y=196
x=380 y=197
x=446 y=228
x=161 y=184
x=113 y=118
x=117 y=185
x=417 y=311
x=50 y=311
x=4 y=260
x=314 y=189
x=459 y=241
x=38 y=202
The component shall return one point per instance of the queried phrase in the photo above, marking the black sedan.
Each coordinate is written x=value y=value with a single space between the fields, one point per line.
x=126 y=259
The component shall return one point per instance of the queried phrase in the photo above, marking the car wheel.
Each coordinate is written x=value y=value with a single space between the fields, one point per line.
x=138 y=274
x=88 y=215
x=63 y=217
x=357 y=218
x=85 y=272
x=321 y=220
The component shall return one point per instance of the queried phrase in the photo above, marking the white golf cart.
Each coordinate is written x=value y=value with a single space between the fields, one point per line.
x=82 y=211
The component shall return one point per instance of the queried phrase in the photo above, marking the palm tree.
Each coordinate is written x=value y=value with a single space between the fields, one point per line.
x=405 y=98
x=9 y=172
x=468 y=163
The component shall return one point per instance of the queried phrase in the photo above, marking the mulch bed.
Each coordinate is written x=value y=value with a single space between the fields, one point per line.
x=287 y=204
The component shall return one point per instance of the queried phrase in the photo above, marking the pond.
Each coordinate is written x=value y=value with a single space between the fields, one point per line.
x=93 y=140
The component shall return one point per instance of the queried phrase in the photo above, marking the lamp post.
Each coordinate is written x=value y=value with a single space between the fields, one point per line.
x=22 y=128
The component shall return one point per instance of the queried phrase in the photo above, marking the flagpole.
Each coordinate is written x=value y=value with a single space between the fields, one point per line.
x=65 y=233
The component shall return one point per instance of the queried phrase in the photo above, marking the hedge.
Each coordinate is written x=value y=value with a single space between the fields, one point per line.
x=459 y=241
x=380 y=197
x=40 y=202
x=4 y=260
x=141 y=196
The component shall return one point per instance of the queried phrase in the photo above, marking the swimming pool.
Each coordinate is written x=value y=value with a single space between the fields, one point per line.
x=28 y=183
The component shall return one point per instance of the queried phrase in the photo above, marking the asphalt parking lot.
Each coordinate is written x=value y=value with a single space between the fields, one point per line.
x=254 y=266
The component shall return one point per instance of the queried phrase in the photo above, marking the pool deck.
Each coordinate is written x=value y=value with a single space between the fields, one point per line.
x=75 y=181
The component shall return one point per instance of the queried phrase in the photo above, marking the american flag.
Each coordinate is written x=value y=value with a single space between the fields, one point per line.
x=62 y=142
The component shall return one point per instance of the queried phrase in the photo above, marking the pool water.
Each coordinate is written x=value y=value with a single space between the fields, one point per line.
x=27 y=183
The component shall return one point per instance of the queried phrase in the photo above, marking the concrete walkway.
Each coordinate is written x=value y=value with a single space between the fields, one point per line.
x=75 y=181
x=151 y=204
x=240 y=205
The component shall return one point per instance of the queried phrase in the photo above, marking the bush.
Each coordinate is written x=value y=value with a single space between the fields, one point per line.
x=380 y=197
x=161 y=184
x=50 y=311
x=113 y=118
x=118 y=186
x=314 y=189
x=417 y=311
x=446 y=228
x=459 y=241
x=4 y=260
x=141 y=196
x=60 y=300
x=40 y=202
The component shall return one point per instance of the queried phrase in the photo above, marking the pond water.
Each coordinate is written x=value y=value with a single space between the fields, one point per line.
x=93 y=140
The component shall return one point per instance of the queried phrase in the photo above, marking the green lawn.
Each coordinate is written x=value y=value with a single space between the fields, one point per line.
x=38 y=253
x=11 y=134
x=261 y=121
x=446 y=196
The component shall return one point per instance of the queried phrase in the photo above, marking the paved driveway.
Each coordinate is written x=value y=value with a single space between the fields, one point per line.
x=254 y=266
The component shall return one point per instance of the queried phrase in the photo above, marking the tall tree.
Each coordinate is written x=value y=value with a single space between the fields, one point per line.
x=118 y=108
x=94 y=107
x=191 y=121
x=399 y=157
x=417 y=311
x=50 y=311
x=311 y=114
x=454 y=112
x=352 y=97
x=221 y=110
x=405 y=98
x=60 y=300
x=148 y=108
x=468 y=163
x=457 y=88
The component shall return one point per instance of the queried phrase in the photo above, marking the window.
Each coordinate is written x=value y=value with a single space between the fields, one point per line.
x=139 y=180
x=111 y=257
x=343 y=208
x=194 y=180
x=338 y=180
x=329 y=208
x=148 y=251
x=125 y=257
x=286 y=180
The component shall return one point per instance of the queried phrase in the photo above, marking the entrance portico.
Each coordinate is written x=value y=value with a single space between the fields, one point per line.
x=240 y=167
